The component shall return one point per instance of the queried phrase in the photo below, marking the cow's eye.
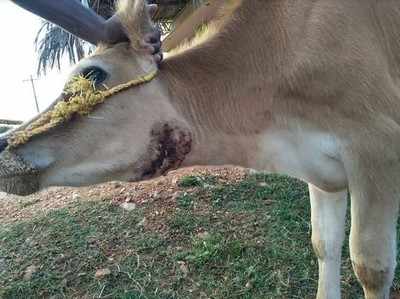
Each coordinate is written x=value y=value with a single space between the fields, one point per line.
x=95 y=74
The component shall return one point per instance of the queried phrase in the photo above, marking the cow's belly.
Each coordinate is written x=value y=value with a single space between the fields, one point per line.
x=310 y=156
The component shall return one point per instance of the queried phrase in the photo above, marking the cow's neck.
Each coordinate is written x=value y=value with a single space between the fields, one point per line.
x=223 y=87
x=234 y=73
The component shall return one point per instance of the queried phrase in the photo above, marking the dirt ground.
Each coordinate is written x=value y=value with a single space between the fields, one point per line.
x=162 y=191
x=15 y=208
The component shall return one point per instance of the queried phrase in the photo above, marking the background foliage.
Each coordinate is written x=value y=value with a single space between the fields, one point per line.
x=53 y=43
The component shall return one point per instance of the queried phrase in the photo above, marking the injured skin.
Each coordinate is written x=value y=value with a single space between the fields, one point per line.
x=169 y=145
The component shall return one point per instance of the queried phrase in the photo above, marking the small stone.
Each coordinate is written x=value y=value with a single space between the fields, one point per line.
x=3 y=265
x=263 y=184
x=253 y=171
x=249 y=285
x=60 y=258
x=268 y=201
x=183 y=268
x=156 y=195
x=100 y=273
x=76 y=196
x=208 y=186
x=203 y=235
x=29 y=272
x=142 y=222
x=64 y=282
x=175 y=195
x=129 y=206
x=203 y=295
x=31 y=242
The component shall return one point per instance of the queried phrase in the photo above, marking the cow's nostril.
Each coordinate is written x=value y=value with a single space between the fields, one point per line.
x=3 y=144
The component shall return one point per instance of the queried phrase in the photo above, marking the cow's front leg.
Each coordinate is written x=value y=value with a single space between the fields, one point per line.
x=328 y=213
x=373 y=241
x=374 y=184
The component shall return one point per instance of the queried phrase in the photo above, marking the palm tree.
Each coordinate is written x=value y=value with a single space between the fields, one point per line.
x=53 y=43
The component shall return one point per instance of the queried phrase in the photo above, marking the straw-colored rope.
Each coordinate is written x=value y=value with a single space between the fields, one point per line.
x=85 y=97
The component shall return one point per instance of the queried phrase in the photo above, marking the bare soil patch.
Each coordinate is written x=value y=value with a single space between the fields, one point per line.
x=15 y=208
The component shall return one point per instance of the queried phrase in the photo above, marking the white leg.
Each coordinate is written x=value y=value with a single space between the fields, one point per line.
x=374 y=185
x=373 y=243
x=328 y=214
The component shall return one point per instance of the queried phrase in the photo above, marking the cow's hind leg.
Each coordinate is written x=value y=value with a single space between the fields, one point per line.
x=328 y=213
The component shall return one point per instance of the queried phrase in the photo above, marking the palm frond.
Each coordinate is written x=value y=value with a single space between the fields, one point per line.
x=52 y=43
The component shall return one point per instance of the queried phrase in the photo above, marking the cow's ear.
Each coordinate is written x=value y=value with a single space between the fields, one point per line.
x=135 y=16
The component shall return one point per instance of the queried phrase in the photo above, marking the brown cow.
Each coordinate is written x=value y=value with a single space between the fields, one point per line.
x=308 y=88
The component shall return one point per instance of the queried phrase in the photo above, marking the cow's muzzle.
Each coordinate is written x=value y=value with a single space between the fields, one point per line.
x=16 y=175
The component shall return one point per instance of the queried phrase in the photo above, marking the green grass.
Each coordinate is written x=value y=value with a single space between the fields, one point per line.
x=185 y=200
x=242 y=240
x=197 y=181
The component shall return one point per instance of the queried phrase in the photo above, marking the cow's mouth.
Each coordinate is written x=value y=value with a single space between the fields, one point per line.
x=170 y=144
x=17 y=176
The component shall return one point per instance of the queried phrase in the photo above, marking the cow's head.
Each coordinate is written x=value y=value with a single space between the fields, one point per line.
x=133 y=135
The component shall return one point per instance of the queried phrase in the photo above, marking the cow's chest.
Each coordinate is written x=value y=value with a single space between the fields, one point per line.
x=310 y=156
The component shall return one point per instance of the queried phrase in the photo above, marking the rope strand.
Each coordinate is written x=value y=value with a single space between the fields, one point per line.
x=85 y=98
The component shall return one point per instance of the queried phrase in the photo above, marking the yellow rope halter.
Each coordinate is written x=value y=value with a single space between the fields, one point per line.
x=84 y=98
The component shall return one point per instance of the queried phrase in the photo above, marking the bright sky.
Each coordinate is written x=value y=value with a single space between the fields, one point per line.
x=18 y=61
